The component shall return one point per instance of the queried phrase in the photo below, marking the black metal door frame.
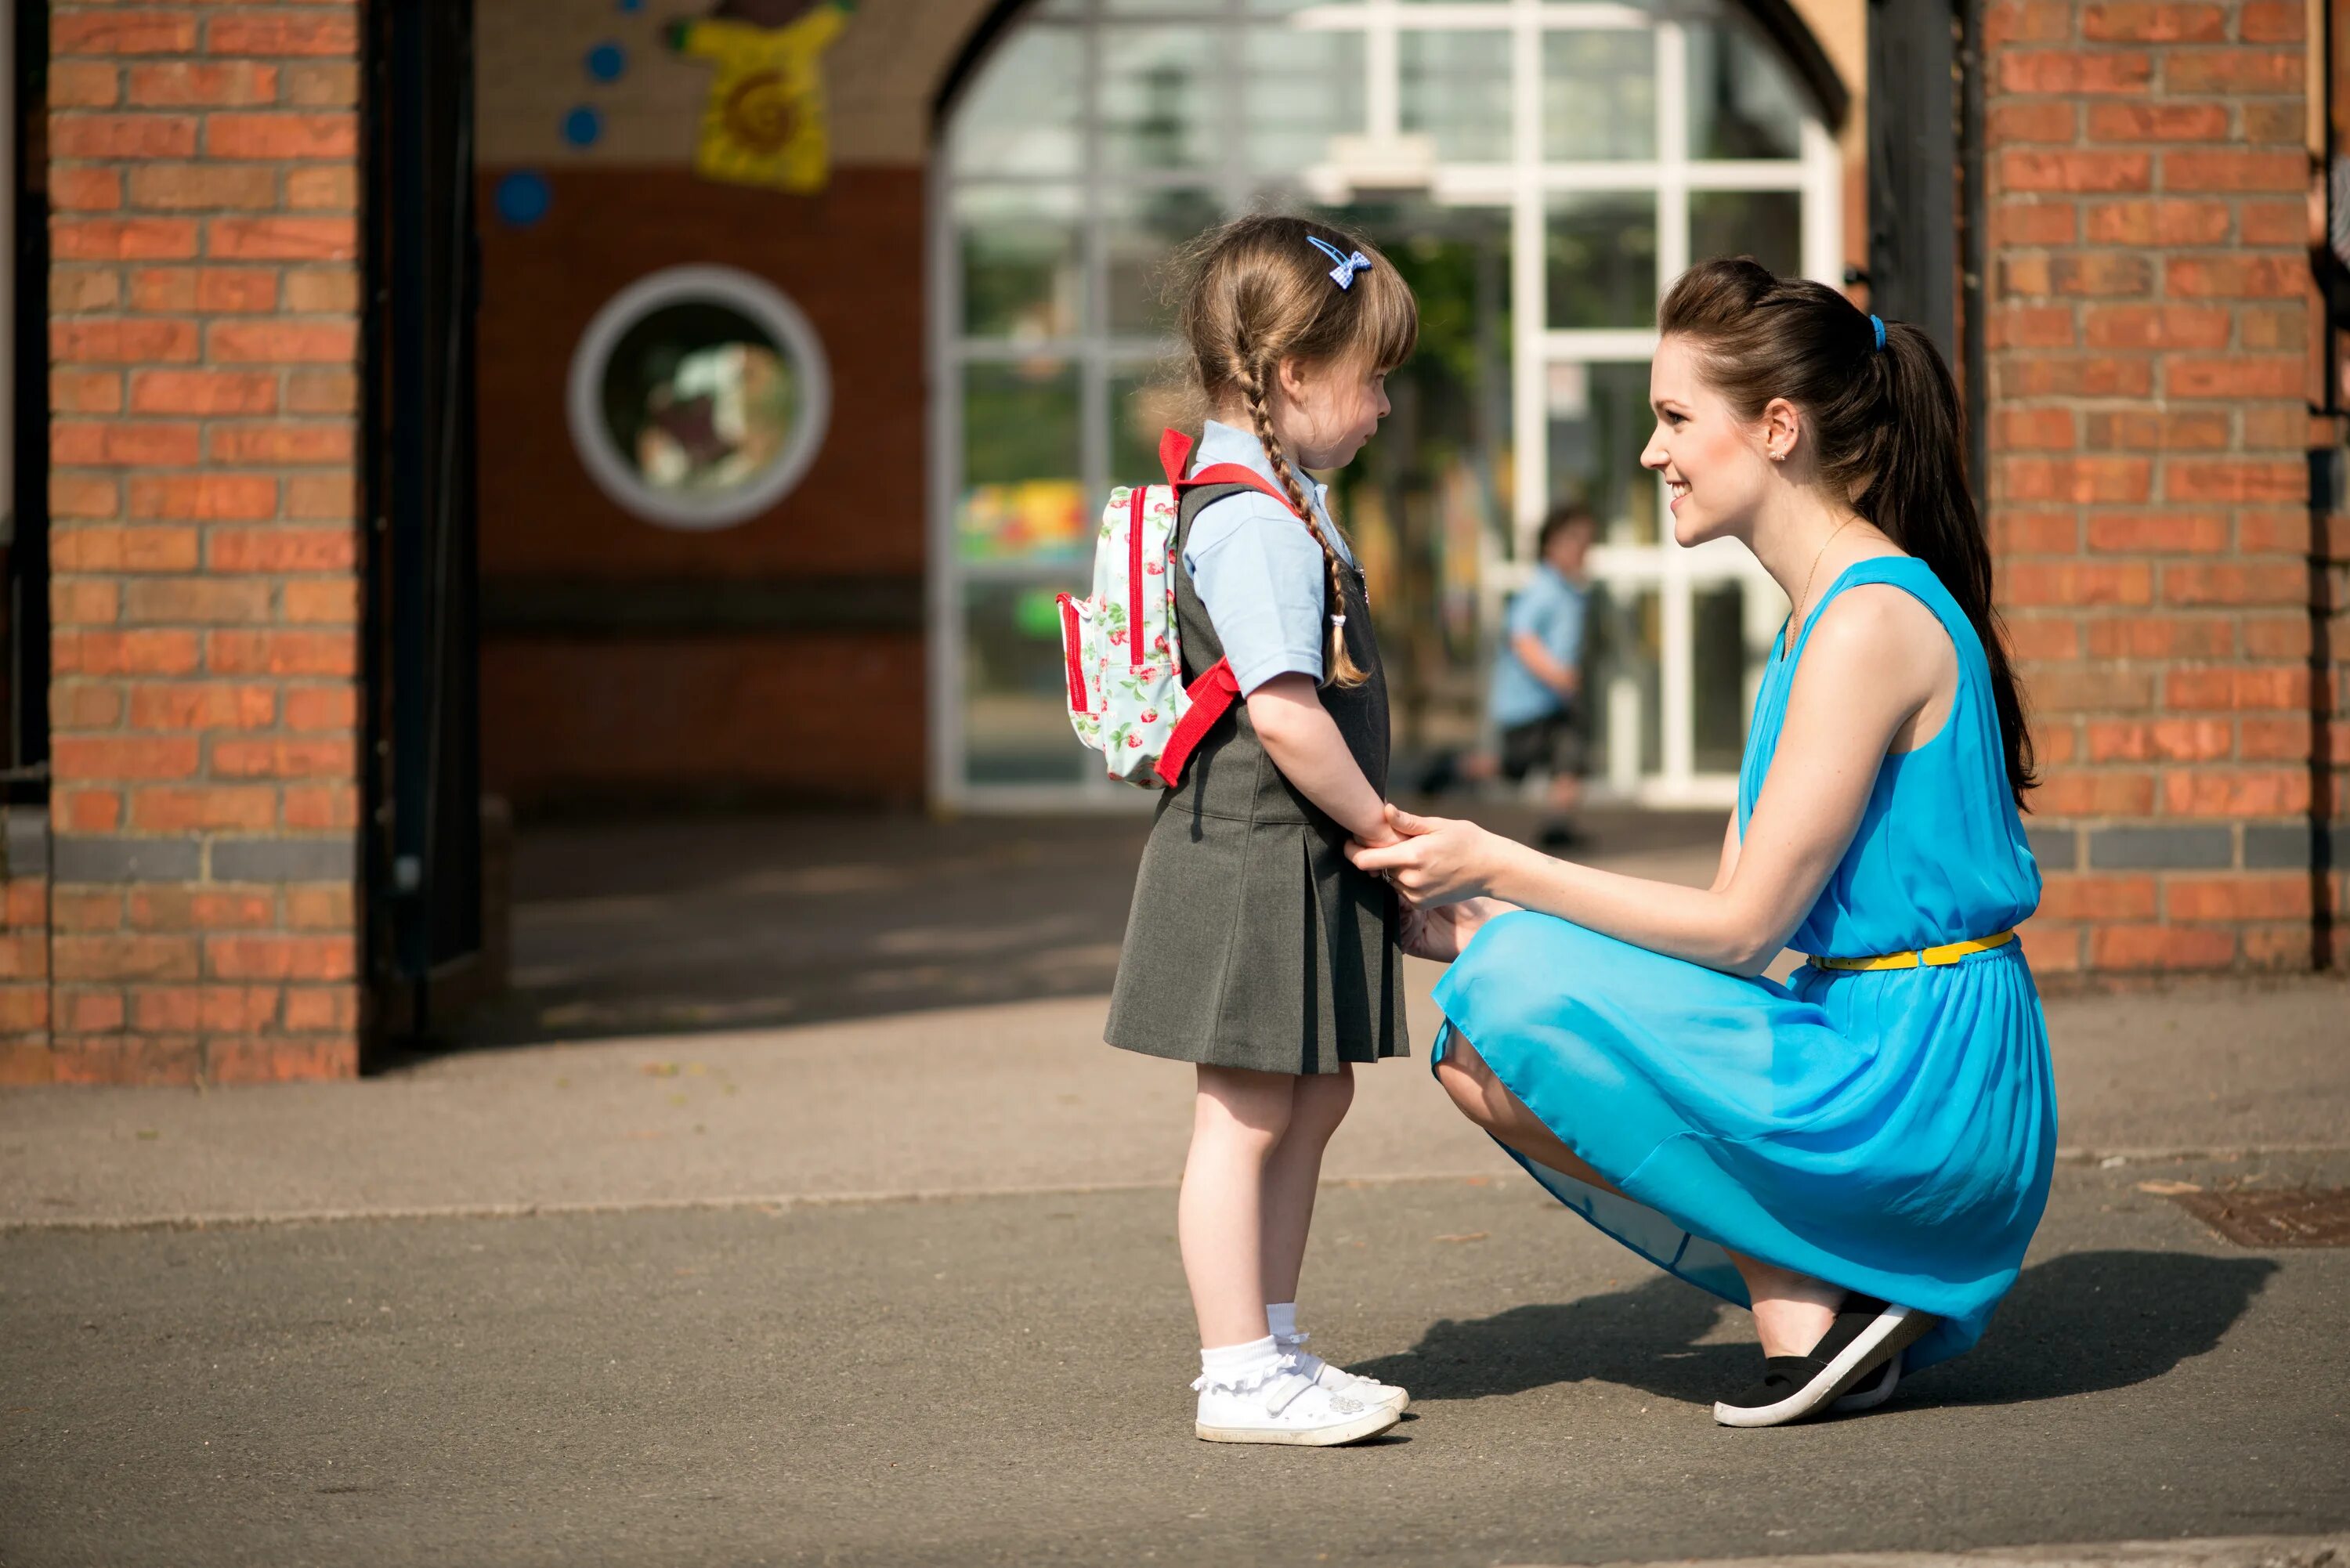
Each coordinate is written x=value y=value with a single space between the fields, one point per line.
x=24 y=762
x=423 y=864
x=1925 y=186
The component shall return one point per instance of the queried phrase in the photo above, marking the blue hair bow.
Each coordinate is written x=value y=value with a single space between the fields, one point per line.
x=1343 y=274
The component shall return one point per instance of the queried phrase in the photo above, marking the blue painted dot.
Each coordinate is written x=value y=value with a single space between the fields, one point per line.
x=632 y=7
x=582 y=125
x=523 y=197
x=607 y=61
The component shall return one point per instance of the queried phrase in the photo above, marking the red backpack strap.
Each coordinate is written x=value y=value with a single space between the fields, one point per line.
x=1212 y=696
x=1175 y=452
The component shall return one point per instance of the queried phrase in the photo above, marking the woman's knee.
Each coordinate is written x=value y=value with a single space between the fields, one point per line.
x=1470 y=1083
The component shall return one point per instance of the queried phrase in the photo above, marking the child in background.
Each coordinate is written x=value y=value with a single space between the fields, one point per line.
x=1254 y=950
x=1537 y=697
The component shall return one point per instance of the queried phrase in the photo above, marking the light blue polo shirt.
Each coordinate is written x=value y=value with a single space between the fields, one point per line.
x=1551 y=608
x=1258 y=574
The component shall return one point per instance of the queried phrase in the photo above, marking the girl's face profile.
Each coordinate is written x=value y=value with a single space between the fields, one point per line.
x=1327 y=412
x=1714 y=463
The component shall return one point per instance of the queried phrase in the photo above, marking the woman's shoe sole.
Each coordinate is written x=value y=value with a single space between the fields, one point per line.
x=1895 y=1330
x=1369 y=1423
x=1868 y=1396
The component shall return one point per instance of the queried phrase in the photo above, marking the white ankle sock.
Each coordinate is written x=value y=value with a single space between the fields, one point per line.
x=1282 y=1318
x=1238 y=1365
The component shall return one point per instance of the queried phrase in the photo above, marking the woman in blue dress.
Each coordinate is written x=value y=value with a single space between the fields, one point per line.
x=1860 y=1155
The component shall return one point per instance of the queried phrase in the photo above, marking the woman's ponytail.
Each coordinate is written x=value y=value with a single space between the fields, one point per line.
x=1918 y=498
x=1888 y=432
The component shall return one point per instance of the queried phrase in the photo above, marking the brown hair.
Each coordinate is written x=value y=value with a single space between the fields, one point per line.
x=1559 y=519
x=1259 y=291
x=1885 y=424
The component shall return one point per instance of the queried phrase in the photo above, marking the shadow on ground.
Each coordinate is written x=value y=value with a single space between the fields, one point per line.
x=724 y=924
x=2078 y=1324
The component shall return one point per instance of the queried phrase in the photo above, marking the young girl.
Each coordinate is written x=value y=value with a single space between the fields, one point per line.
x=1861 y=1155
x=1254 y=949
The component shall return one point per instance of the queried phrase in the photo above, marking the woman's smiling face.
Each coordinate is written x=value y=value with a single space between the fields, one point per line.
x=1715 y=465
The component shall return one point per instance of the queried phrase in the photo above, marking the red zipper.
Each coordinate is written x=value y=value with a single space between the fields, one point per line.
x=1134 y=579
x=1069 y=642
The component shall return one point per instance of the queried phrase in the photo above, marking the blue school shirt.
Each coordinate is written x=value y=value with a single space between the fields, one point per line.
x=1258 y=574
x=1551 y=608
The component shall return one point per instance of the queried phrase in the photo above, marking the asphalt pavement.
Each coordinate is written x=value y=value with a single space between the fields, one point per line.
x=895 y=1283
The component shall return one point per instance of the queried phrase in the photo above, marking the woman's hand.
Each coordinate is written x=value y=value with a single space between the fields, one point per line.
x=1440 y=860
x=1441 y=932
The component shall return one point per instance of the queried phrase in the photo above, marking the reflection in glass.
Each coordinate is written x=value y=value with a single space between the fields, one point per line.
x=1599 y=96
x=1727 y=668
x=1302 y=89
x=1140 y=230
x=1023 y=269
x=1016 y=687
x=1158 y=98
x=699 y=398
x=1743 y=100
x=1455 y=87
x=1599 y=422
x=1765 y=224
x=1024 y=497
x=1021 y=114
x=1601 y=260
x=1428 y=502
x=1623 y=661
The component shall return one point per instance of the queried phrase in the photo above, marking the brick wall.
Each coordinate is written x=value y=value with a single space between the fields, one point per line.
x=2150 y=332
x=204 y=307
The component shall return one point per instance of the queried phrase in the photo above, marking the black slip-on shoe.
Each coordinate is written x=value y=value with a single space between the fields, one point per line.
x=1874 y=1389
x=1794 y=1386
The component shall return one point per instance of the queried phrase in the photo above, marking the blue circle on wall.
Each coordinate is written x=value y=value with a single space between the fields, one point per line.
x=607 y=61
x=632 y=7
x=582 y=125
x=523 y=197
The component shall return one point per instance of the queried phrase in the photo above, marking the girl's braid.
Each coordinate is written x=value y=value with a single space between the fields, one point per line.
x=1252 y=376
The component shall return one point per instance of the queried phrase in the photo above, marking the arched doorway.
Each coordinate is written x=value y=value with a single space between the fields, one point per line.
x=1540 y=169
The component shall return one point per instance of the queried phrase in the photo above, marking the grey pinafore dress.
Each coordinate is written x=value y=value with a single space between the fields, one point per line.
x=1253 y=941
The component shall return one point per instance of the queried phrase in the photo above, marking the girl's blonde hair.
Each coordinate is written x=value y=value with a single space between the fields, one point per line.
x=1261 y=290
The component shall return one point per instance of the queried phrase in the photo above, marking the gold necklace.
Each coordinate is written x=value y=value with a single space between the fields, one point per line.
x=1795 y=620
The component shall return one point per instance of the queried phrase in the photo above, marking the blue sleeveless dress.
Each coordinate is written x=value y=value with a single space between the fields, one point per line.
x=1890 y=1131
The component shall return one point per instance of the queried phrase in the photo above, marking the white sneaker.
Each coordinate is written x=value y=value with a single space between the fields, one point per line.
x=1286 y=1407
x=1362 y=1390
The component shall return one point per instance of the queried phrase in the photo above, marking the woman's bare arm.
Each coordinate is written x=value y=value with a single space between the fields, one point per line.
x=1729 y=867
x=1876 y=657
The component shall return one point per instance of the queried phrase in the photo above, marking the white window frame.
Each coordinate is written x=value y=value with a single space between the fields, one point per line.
x=1521 y=187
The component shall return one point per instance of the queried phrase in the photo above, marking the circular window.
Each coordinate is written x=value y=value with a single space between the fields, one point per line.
x=699 y=397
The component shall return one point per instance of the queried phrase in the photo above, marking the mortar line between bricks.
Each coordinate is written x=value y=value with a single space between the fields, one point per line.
x=255 y=1220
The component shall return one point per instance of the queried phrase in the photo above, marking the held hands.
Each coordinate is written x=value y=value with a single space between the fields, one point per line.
x=1430 y=861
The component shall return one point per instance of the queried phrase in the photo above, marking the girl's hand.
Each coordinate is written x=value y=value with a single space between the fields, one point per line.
x=1442 y=931
x=1441 y=860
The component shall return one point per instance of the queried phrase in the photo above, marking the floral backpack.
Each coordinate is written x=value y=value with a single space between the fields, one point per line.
x=1127 y=696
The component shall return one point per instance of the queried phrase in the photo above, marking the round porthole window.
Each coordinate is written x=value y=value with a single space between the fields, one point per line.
x=698 y=396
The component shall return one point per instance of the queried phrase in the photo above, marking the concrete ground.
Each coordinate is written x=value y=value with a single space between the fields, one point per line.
x=899 y=1286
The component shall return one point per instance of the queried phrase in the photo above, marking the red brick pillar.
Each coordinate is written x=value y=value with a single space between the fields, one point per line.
x=2150 y=358
x=203 y=813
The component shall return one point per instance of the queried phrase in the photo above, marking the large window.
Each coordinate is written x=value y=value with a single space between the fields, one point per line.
x=1539 y=172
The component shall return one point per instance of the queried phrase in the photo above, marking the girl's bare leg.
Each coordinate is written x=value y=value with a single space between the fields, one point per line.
x=1238 y=1119
x=1792 y=1311
x=1318 y=1104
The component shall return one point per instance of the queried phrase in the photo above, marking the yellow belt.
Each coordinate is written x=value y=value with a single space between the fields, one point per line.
x=1947 y=954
